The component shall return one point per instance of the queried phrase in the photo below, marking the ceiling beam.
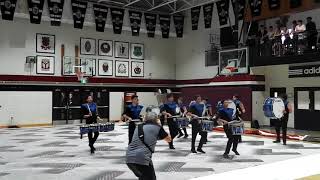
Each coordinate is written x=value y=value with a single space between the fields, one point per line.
x=162 y=4
x=195 y=5
x=132 y=2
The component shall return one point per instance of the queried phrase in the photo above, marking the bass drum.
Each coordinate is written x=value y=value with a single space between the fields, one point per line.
x=273 y=108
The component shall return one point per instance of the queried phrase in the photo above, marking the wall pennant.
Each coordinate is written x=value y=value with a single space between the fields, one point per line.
x=100 y=13
x=117 y=19
x=223 y=11
x=55 y=10
x=255 y=6
x=135 y=21
x=35 y=10
x=274 y=4
x=295 y=3
x=151 y=22
x=165 y=25
x=195 y=14
x=79 y=9
x=207 y=13
x=178 y=23
x=241 y=8
x=8 y=8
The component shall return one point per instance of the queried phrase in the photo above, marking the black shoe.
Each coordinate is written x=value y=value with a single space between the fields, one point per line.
x=226 y=156
x=171 y=147
x=200 y=150
x=284 y=143
x=193 y=151
x=92 y=150
x=277 y=141
x=236 y=152
x=180 y=135
x=186 y=136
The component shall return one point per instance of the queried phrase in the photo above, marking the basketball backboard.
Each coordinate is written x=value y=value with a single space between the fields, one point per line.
x=233 y=61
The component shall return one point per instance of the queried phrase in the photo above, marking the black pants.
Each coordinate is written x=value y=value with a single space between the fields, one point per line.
x=282 y=123
x=184 y=130
x=93 y=139
x=173 y=128
x=233 y=140
x=143 y=172
x=312 y=41
x=196 y=128
x=132 y=127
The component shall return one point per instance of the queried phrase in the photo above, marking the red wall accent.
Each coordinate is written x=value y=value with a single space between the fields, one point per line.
x=215 y=94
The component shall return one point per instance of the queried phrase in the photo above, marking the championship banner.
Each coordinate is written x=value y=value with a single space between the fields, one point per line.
x=207 y=14
x=100 y=13
x=255 y=6
x=178 y=23
x=195 y=14
x=117 y=19
x=165 y=25
x=295 y=3
x=79 y=9
x=35 y=10
x=55 y=10
x=241 y=8
x=223 y=11
x=151 y=21
x=135 y=21
x=274 y=4
x=8 y=8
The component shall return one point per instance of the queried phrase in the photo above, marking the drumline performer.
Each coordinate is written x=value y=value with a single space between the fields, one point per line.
x=224 y=116
x=283 y=122
x=132 y=112
x=208 y=107
x=168 y=110
x=240 y=110
x=197 y=110
x=183 y=112
x=90 y=114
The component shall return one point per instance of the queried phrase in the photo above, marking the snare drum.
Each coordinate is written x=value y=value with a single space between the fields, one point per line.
x=84 y=129
x=273 y=108
x=94 y=127
x=237 y=128
x=182 y=122
x=207 y=125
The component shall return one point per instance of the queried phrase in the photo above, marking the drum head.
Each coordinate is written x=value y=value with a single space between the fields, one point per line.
x=233 y=106
x=278 y=108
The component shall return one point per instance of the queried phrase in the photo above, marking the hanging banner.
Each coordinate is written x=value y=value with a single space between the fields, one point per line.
x=255 y=6
x=179 y=23
x=274 y=4
x=35 y=10
x=207 y=14
x=100 y=13
x=79 y=9
x=295 y=3
x=8 y=8
x=151 y=21
x=241 y=8
x=165 y=25
x=135 y=22
x=117 y=19
x=55 y=10
x=195 y=14
x=223 y=11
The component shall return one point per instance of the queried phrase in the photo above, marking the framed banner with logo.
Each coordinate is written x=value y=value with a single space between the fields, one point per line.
x=137 y=51
x=105 y=67
x=105 y=48
x=304 y=71
x=122 y=69
x=87 y=46
x=45 y=65
x=45 y=43
x=121 y=49
x=137 y=69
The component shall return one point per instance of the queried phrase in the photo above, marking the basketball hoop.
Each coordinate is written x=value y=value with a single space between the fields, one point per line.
x=80 y=75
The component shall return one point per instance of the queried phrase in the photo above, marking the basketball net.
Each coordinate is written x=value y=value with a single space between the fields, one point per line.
x=80 y=75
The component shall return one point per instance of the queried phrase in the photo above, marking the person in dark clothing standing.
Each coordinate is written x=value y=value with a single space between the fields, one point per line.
x=224 y=116
x=139 y=153
x=196 y=110
x=90 y=114
x=183 y=112
x=132 y=112
x=168 y=110
x=240 y=110
x=312 y=33
x=283 y=122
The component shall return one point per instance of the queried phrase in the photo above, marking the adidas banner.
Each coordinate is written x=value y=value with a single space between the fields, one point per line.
x=241 y=8
x=100 y=13
x=223 y=9
x=178 y=23
x=207 y=14
x=165 y=25
x=274 y=4
x=255 y=6
x=35 y=10
x=79 y=9
x=55 y=10
x=151 y=21
x=195 y=14
x=135 y=22
x=117 y=15
x=7 y=9
x=295 y=3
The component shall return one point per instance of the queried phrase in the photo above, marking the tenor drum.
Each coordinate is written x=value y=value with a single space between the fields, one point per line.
x=207 y=125
x=237 y=128
x=273 y=108
x=182 y=122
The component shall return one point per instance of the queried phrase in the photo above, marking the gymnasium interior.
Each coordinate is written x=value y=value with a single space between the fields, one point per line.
x=56 y=53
